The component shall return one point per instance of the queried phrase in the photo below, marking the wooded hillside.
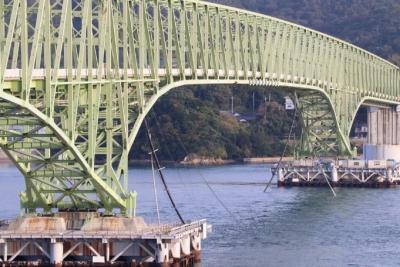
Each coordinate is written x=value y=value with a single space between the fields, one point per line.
x=193 y=121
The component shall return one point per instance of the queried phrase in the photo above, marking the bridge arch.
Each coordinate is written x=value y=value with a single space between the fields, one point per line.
x=299 y=91
x=44 y=174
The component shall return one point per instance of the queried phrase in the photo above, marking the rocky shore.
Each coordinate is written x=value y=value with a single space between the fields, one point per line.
x=195 y=160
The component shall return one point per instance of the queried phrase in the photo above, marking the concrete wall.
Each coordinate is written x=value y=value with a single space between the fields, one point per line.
x=383 y=126
x=382 y=152
x=383 y=134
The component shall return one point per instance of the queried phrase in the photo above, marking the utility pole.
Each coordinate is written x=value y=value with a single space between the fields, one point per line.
x=265 y=107
x=232 y=104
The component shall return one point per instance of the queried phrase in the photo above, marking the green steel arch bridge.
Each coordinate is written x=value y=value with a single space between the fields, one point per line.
x=77 y=78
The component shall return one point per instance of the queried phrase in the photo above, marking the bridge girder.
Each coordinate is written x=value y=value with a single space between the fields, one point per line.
x=78 y=77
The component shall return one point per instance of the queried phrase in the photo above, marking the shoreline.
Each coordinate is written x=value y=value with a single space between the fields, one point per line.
x=196 y=162
x=216 y=162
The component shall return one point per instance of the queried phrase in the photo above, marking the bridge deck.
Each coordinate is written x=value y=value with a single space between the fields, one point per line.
x=250 y=77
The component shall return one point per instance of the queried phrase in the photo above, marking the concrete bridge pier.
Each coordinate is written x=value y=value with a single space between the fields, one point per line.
x=162 y=254
x=176 y=249
x=185 y=245
x=335 y=178
x=5 y=250
x=56 y=252
x=281 y=176
x=384 y=126
x=383 y=134
x=196 y=244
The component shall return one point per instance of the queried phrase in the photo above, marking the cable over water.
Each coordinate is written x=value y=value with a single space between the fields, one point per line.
x=205 y=181
x=157 y=162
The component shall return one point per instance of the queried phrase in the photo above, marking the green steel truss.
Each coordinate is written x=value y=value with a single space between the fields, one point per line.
x=77 y=78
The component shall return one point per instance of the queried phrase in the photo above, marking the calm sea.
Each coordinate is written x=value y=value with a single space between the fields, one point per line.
x=283 y=227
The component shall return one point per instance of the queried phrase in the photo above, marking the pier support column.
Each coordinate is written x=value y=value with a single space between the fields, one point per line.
x=389 y=175
x=56 y=252
x=5 y=251
x=185 y=245
x=384 y=126
x=281 y=176
x=176 y=249
x=383 y=134
x=335 y=178
x=162 y=254
x=107 y=250
x=196 y=244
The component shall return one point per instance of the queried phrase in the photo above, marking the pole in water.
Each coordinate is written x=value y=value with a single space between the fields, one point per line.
x=160 y=172
x=328 y=182
x=155 y=188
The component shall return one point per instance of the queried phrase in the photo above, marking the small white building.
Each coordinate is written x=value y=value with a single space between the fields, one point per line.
x=289 y=105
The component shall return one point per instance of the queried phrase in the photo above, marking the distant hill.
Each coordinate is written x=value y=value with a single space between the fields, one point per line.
x=190 y=121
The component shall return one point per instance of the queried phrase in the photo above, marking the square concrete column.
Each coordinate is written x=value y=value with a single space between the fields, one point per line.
x=5 y=251
x=383 y=126
x=372 y=126
x=397 y=127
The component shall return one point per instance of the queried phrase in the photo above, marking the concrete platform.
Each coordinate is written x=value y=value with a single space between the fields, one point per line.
x=109 y=241
x=343 y=173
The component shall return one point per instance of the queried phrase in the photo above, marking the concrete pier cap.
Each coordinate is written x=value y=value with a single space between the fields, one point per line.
x=91 y=223
x=118 y=224
x=37 y=224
